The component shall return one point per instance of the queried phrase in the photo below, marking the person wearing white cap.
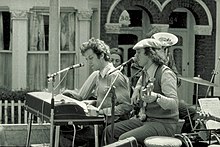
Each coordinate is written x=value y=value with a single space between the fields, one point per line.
x=160 y=102
x=168 y=40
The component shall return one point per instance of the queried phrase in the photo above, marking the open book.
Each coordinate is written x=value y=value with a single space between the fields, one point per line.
x=211 y=106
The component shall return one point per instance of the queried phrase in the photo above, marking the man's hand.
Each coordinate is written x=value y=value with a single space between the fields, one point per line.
x=135 y=97
x=72 y=93
x=92 y=110
x=149 y=98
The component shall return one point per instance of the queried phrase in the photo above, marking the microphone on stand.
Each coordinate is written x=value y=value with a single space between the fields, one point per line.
x=76 y=66
x=131 y=60
x=65 y=69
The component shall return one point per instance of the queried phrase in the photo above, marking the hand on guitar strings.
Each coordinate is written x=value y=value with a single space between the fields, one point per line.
x=149 y=97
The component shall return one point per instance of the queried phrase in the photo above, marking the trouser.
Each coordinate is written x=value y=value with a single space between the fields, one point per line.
x=138 y=129
x=85 y=135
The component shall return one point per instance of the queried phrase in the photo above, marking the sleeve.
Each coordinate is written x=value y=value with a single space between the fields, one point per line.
x=88 y=86
x=169 y=88
x=139 y=83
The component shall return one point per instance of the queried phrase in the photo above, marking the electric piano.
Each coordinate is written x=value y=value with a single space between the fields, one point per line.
x=65 y=111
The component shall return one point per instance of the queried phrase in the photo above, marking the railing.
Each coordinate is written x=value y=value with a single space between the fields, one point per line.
x=12 y=112
x=14 y=124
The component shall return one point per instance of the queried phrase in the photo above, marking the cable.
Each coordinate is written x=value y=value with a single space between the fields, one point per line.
x=74 y=135
x=61 y=80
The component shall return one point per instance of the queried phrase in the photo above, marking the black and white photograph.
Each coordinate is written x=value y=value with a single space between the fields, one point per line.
x=109 y=73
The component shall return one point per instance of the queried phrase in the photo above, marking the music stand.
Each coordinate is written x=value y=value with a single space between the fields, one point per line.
x=214 y=73
x=211 y=107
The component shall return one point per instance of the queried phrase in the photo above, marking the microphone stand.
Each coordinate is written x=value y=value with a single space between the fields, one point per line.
x=111 y=87
x=214 y=73
x=113 y=113
x=51 y=78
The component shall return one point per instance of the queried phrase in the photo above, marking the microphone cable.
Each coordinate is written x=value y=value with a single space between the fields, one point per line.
x=61 y=80
x=74 y=135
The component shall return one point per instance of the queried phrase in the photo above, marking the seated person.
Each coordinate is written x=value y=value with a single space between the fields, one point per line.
x=159 y=113
x=116 y=56
x=97 y=54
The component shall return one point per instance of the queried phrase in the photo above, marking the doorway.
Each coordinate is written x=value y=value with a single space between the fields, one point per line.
x=183 y=51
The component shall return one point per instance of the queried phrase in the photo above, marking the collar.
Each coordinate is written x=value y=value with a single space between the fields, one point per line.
x=151 y=70
x=105 y=70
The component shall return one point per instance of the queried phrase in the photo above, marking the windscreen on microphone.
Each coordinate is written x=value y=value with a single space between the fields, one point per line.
x=77 y=65
x=131 y=60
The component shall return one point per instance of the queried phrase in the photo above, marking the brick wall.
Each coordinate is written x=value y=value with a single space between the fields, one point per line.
x=204 y=45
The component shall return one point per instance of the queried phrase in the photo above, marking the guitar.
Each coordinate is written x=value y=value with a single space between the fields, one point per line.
x=145 y=90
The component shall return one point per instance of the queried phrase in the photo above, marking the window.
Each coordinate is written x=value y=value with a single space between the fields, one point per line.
x=5 y=26
x=37 y=64
x=178 y=20
x=5 y=50
x=135 y=18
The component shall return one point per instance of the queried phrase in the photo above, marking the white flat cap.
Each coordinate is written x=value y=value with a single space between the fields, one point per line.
x=167 y=39
x=149 y=42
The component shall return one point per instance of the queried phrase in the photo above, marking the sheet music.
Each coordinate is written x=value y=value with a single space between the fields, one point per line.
x=211 y=106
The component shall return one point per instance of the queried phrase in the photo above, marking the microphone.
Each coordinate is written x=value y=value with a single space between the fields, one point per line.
x=76 y=66
x=131 y=60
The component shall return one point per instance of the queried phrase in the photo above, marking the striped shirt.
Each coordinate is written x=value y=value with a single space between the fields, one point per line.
x=97 y=84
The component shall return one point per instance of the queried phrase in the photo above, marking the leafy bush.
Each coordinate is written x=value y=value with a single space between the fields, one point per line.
x=7 y=94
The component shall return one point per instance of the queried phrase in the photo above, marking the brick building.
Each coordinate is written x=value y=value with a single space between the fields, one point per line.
x=194 y=22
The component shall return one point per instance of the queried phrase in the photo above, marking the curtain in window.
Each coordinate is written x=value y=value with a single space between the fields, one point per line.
x=5 y=70
x=37 y=65
x=37 y=36
x=67 y=34
x=38 y=62
x=37 y=71
x=67 y=43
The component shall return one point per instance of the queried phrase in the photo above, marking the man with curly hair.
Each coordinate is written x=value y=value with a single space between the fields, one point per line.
x=97 y=54
x=158 y=114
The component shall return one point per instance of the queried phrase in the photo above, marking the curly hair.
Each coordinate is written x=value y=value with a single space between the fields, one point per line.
x=98 y=46
x=151 y=52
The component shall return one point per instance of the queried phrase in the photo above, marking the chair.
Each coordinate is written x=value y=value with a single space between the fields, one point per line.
x=164 y=141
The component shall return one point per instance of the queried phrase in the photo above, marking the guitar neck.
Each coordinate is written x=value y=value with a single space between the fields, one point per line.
x=211 y=117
